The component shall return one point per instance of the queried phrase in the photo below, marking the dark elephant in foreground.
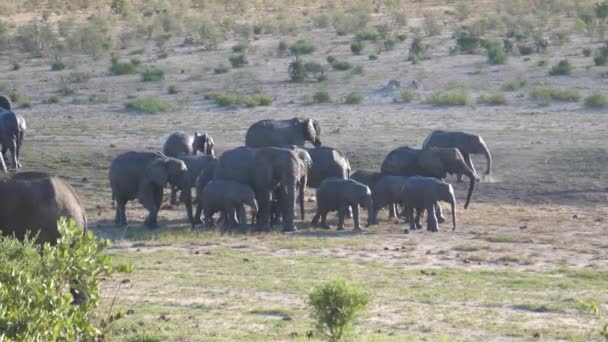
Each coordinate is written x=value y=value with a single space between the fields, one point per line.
x=143 y=175
x=466 y=143
x=281 y=133
x=196 y=165
x=337 y=194
x=34 y=201
x=424 y=194
x=178 y=144
x=387 y=192
x=12 y=132
x=433 y=162
x=227 y=197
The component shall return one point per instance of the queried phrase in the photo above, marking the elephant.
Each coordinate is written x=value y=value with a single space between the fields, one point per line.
x=281 y=133
x=228 y=197
x=339 y=194
x=265 y=170
x=306 y=162
x=37 y=201
x=203 y=178
x=388 y=191
x=5 y=102
x=12 y=131
x=369 y=178
x=178 y=144
x=143 y=175
x=424 y=193
x=327 y=162
x=466 y=143
x=434 y=162
x=196 y=165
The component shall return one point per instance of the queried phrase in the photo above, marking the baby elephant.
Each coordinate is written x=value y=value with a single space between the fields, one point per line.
x=227 y=197
x=424 y=193
x=388 y=191
x=338 y=194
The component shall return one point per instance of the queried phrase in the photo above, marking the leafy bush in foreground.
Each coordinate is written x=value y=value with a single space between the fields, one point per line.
x=335 y=306
x=35 y=288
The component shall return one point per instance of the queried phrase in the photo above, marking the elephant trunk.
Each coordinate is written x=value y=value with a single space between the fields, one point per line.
x=473 y=179
x=301 y=197
x=453 y=204
x=486 y=153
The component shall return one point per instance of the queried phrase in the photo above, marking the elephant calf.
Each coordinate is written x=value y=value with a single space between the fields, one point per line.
x=227 y=197
x=143 y=175
x=338 y=194
x=34 y=201
x=388 y=191
x=196 y=165
x=424 y=193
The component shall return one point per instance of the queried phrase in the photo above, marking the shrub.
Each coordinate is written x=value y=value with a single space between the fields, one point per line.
x=357 y=70
x=282 y=47
x=220 y=69
x=525 y=50
x=542 y=63
x=587 y=52
x=57 y=65
x=223 y=99
x=496 y=99
x=296 y=71
x=496 y=53
x=596 y=101
x=35 y=37
x=335 y=306
x=430 y=25
x=91 y=38
x=341 y=65
x=35 y=290
x=601 y=55
x=148 y=105
x=368 y=35
x=373 y=57
x=321 y=96
x=563 y=67
x=227 y=100
x=455 y=97
x=123 y=68
x=513 y=85
x=238 y=60
x=264 y=100
x=417 y=50
x=353 y=98
x=152 y=74
x=172 y=89
x=53 y=99
x=209 y=35
x=544 y=95
x=356 y=47
x=301 y=47
x=389 y=44
x=351 y=22
x=239 y=48
x=407 y=95
x=401 y=37
x=467 y=41
x=331 y=59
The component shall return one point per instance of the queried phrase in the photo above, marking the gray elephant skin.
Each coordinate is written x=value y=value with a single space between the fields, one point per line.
x=265 y=170
x=306 y=162
x=388 y=191
x=424 y=193
x=196 y=165
x=327 y=162
x=37 y=201
x=369 y=178
x=12 y=132
x=466 y=143
x=5 y=102
x=142 y=176
x=433 y=162
x=178 y=144
x=227 y=197
x=337 y=194
x=280 y=133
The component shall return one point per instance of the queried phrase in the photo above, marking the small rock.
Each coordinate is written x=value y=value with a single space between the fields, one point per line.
x=130 y=312
x=245 y=260
x=163 y=318
x=138 y=250
x=84 y=179
x=197 y=252
x=523 y=227
x=125 y=281
x=536 y=335
x=575 y=216
x=386 y=248
x=293 y=334
x=466 y=261
x=309 y=334
x=112 y=145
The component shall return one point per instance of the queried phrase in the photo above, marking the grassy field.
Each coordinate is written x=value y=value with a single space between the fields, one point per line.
x=533 y=243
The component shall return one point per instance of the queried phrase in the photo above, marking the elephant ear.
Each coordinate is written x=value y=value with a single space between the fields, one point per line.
x=5 y=102
x=430 y=161
x=157 y=172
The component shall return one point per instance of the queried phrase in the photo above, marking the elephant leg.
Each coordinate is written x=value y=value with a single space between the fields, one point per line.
x=391 y=211
x=199 y=210
x=209 y=218
x=19 y=143
x=173 y=200
x=419 y=212
x=315 y=219
x=349 y=212
x=439 y=213
x=13 y=148
x=409 y=212
x=356 y=217
x=431 y=219
x=324 y=224
x=242 y=214
x=263 y=210
x=341 y=215
x=3 y=164
x=120 y=218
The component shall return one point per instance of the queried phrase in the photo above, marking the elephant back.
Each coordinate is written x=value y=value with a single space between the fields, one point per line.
x=178 y=144
x=401 y=161
x=275 y=133
x=196 y=164
x=327 y=162
x=369 y=178
x=235 y=164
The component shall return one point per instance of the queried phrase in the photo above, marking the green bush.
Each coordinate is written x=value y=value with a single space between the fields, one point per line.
x=264 y=100
x=238 y=60
x=467 y=41
x=596 y=101
x=53 y=99
x=513 y=85
x=152 y=74
x=544 y=95
x=118 y=68
x=321 y=96
x=357 y=70
x=455 y=97
x=57 y=66
x=148 y=105
x=525 y=50
x=282 y=47
x=407 y=95
x=418 y=50
x=587 y=52
x=301 y=47
x=353 y=98
x=368 y=35
x=220 y=69
x=373 y=57
x=172 y=89
x=341 y=65
x=563 y=67
x=543 y=62
x=20 y=100
x=496 y=99
x=356 y=47
x=35 y=288
x=496 y=53
x=389 y=44
x=401 y=37
x=297 y=72
x=601 y=55
x=239 y=48
x=335 y=306
x=226 y=100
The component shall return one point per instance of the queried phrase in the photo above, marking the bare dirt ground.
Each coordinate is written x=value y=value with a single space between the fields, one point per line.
x=533 y=242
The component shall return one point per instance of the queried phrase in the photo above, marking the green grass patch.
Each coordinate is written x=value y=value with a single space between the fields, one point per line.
x=513 y=85
x=596 y=101
x=562 y=68
x=453 y=97
x=226 y=100
x=353 y=98
x=544 y=95
x=152 y=74
x=506 y=238
x=496 y=99
x=148 y=105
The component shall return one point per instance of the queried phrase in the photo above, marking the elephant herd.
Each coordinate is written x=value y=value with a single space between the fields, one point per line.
x=270 y=173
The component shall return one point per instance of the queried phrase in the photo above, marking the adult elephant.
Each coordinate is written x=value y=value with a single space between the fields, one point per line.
x=280 y=133
x=327 y=162
x=178 y=144
x=369 y=178
x=466 y=143
x=143 y=175
x=5 y=102
x=37 y=201
x=265 y=169
x=424 y=193
x=12 y=131
x=433 y=162
x=196 y=165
